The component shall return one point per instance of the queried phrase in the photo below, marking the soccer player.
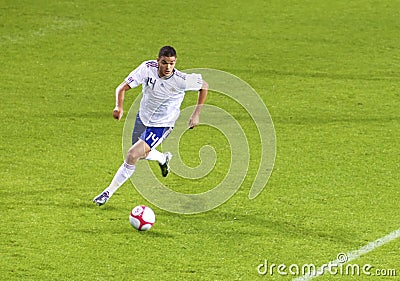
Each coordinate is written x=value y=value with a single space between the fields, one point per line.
x=163 y=89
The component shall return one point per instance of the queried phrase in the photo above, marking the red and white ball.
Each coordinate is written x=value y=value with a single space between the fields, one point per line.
x=142 y=217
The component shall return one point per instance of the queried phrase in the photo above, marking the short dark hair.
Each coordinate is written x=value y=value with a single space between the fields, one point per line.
x=167 y=51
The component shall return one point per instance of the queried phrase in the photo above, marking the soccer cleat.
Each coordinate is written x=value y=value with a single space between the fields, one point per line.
x=102 y=198
x=165 y=167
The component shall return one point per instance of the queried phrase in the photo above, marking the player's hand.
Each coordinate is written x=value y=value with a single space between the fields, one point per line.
x=194 y=120
x=117 y=113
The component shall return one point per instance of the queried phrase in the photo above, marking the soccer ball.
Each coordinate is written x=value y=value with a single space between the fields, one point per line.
x=142 y=217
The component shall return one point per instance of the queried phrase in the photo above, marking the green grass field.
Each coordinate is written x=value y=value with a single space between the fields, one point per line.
x=328 y=72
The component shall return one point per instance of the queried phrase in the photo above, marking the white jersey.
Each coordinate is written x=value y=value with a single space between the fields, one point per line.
x=162 y=97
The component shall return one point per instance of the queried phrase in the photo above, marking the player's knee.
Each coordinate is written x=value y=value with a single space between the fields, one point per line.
x=135 y=153
x=132 y=157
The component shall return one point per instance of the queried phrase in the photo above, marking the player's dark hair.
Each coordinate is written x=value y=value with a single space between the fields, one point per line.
x=167 y=51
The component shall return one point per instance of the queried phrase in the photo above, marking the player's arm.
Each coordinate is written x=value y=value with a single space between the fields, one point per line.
x=119 y=100
x=195 y=117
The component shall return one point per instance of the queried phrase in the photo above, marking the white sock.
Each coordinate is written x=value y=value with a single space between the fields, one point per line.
x=156 y=155
x=124 y=172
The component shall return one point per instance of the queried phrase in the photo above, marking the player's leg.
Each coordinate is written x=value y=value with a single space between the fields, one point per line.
x=155 y=155
x=150 y=139
x=125 y=170
x=138 y=151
